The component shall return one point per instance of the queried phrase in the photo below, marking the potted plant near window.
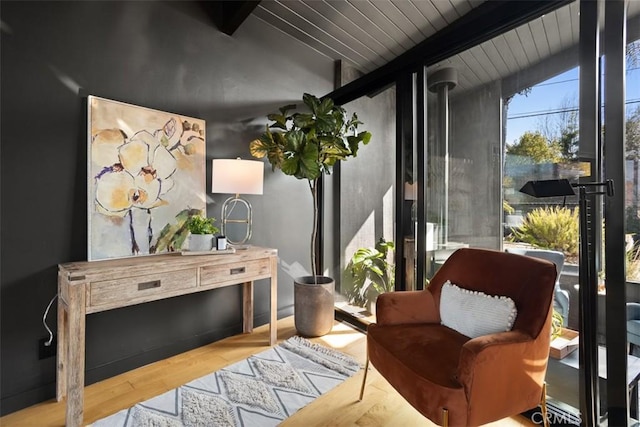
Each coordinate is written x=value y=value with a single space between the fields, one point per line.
x=372 y=274
x=202 y=231
x=306 y=144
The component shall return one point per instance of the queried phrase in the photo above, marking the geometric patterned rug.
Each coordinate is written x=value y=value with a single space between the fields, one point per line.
x=259 y=391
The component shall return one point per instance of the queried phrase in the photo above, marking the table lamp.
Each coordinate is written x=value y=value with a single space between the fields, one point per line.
x=236 y=176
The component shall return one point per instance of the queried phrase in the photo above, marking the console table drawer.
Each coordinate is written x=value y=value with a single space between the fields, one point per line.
x=133 y=290
x=235 y=271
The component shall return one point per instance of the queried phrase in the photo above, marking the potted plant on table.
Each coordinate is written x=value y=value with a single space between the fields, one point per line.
x=306 y=144
x=202 y=231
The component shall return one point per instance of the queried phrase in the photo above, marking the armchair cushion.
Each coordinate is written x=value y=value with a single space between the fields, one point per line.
x=491 y=314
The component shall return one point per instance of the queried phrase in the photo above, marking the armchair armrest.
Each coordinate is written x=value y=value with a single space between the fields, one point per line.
x=494 y=367
x=475 y=346
x=394 y=308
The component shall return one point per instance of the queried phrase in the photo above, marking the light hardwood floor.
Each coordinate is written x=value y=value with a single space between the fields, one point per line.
x=381 y=406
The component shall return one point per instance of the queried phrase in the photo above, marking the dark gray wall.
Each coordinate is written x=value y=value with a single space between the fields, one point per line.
x=166 y=56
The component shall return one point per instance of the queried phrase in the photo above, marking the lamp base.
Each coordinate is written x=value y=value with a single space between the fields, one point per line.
x=240 y=247
x=227 y=208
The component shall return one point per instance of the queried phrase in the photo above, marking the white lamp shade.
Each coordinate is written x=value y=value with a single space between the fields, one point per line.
x=236 y=176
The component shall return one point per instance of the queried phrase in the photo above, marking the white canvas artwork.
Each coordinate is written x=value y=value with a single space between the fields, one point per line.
x=146 y=177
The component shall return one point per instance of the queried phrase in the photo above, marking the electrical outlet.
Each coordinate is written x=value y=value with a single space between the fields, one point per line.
x=47 y=351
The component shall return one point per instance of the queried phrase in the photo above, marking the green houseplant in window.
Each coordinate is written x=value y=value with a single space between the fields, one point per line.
x=202 y=231
x=371 y=274
x=306 y=144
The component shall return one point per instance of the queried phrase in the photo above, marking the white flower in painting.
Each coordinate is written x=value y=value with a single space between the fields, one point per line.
x=133 y=174
x=104 y=146
x=139 y=179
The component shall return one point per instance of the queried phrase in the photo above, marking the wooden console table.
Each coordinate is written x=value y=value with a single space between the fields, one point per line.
x=91 y=287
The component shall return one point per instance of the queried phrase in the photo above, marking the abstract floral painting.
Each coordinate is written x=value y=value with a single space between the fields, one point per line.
x=146 y=178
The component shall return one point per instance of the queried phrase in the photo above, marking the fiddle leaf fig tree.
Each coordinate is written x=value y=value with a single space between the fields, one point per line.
x=305 y=144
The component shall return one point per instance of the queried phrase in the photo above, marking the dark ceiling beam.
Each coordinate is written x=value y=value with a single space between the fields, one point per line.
x=228 y=15
x=486 y=21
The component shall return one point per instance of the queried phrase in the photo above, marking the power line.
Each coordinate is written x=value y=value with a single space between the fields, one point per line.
x=557 y=111
x=573 y=80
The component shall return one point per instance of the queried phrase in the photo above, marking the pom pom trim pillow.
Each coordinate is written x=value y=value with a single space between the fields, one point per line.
x=474 y=313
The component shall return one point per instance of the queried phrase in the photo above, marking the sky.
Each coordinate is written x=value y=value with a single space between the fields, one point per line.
x=527 y=111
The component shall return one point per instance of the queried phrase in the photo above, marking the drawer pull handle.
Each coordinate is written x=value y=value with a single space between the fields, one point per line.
x=148 y=285
x=238 y=270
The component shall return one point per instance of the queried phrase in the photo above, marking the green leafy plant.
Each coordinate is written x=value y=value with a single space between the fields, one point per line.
x=556 y=324
x=198 y=224
x=553 y=228
x=370 y=269
x=306 y=144
x=507 y=208
x=633 y=264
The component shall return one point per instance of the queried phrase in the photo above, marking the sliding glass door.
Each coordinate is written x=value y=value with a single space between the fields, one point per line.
x=525 y=106
x=488 y=120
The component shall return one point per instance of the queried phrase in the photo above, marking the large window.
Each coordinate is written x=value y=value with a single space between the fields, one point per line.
x=542 y=143
x=474 y=128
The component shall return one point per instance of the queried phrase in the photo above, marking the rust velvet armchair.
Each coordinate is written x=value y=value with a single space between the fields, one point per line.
x=456 y=380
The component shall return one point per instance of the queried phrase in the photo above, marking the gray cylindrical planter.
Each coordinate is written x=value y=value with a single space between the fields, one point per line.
x=313 y=305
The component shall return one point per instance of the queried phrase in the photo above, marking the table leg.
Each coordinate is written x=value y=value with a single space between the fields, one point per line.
x=273 y=310
x=75 y=338
x=247 y=307
x=63 y=325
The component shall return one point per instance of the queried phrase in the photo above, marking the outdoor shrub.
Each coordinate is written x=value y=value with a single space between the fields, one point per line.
x=556 y=324
x=554 y=228
x=633 y=264
x=507 y=208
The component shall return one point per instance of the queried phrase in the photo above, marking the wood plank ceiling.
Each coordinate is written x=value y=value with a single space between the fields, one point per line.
x=366 y=34
x=369 y=33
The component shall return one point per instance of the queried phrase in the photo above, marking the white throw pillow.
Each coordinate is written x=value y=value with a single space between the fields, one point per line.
x=474 y=313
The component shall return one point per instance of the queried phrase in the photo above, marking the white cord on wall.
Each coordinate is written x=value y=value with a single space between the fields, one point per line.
x=44 y=320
